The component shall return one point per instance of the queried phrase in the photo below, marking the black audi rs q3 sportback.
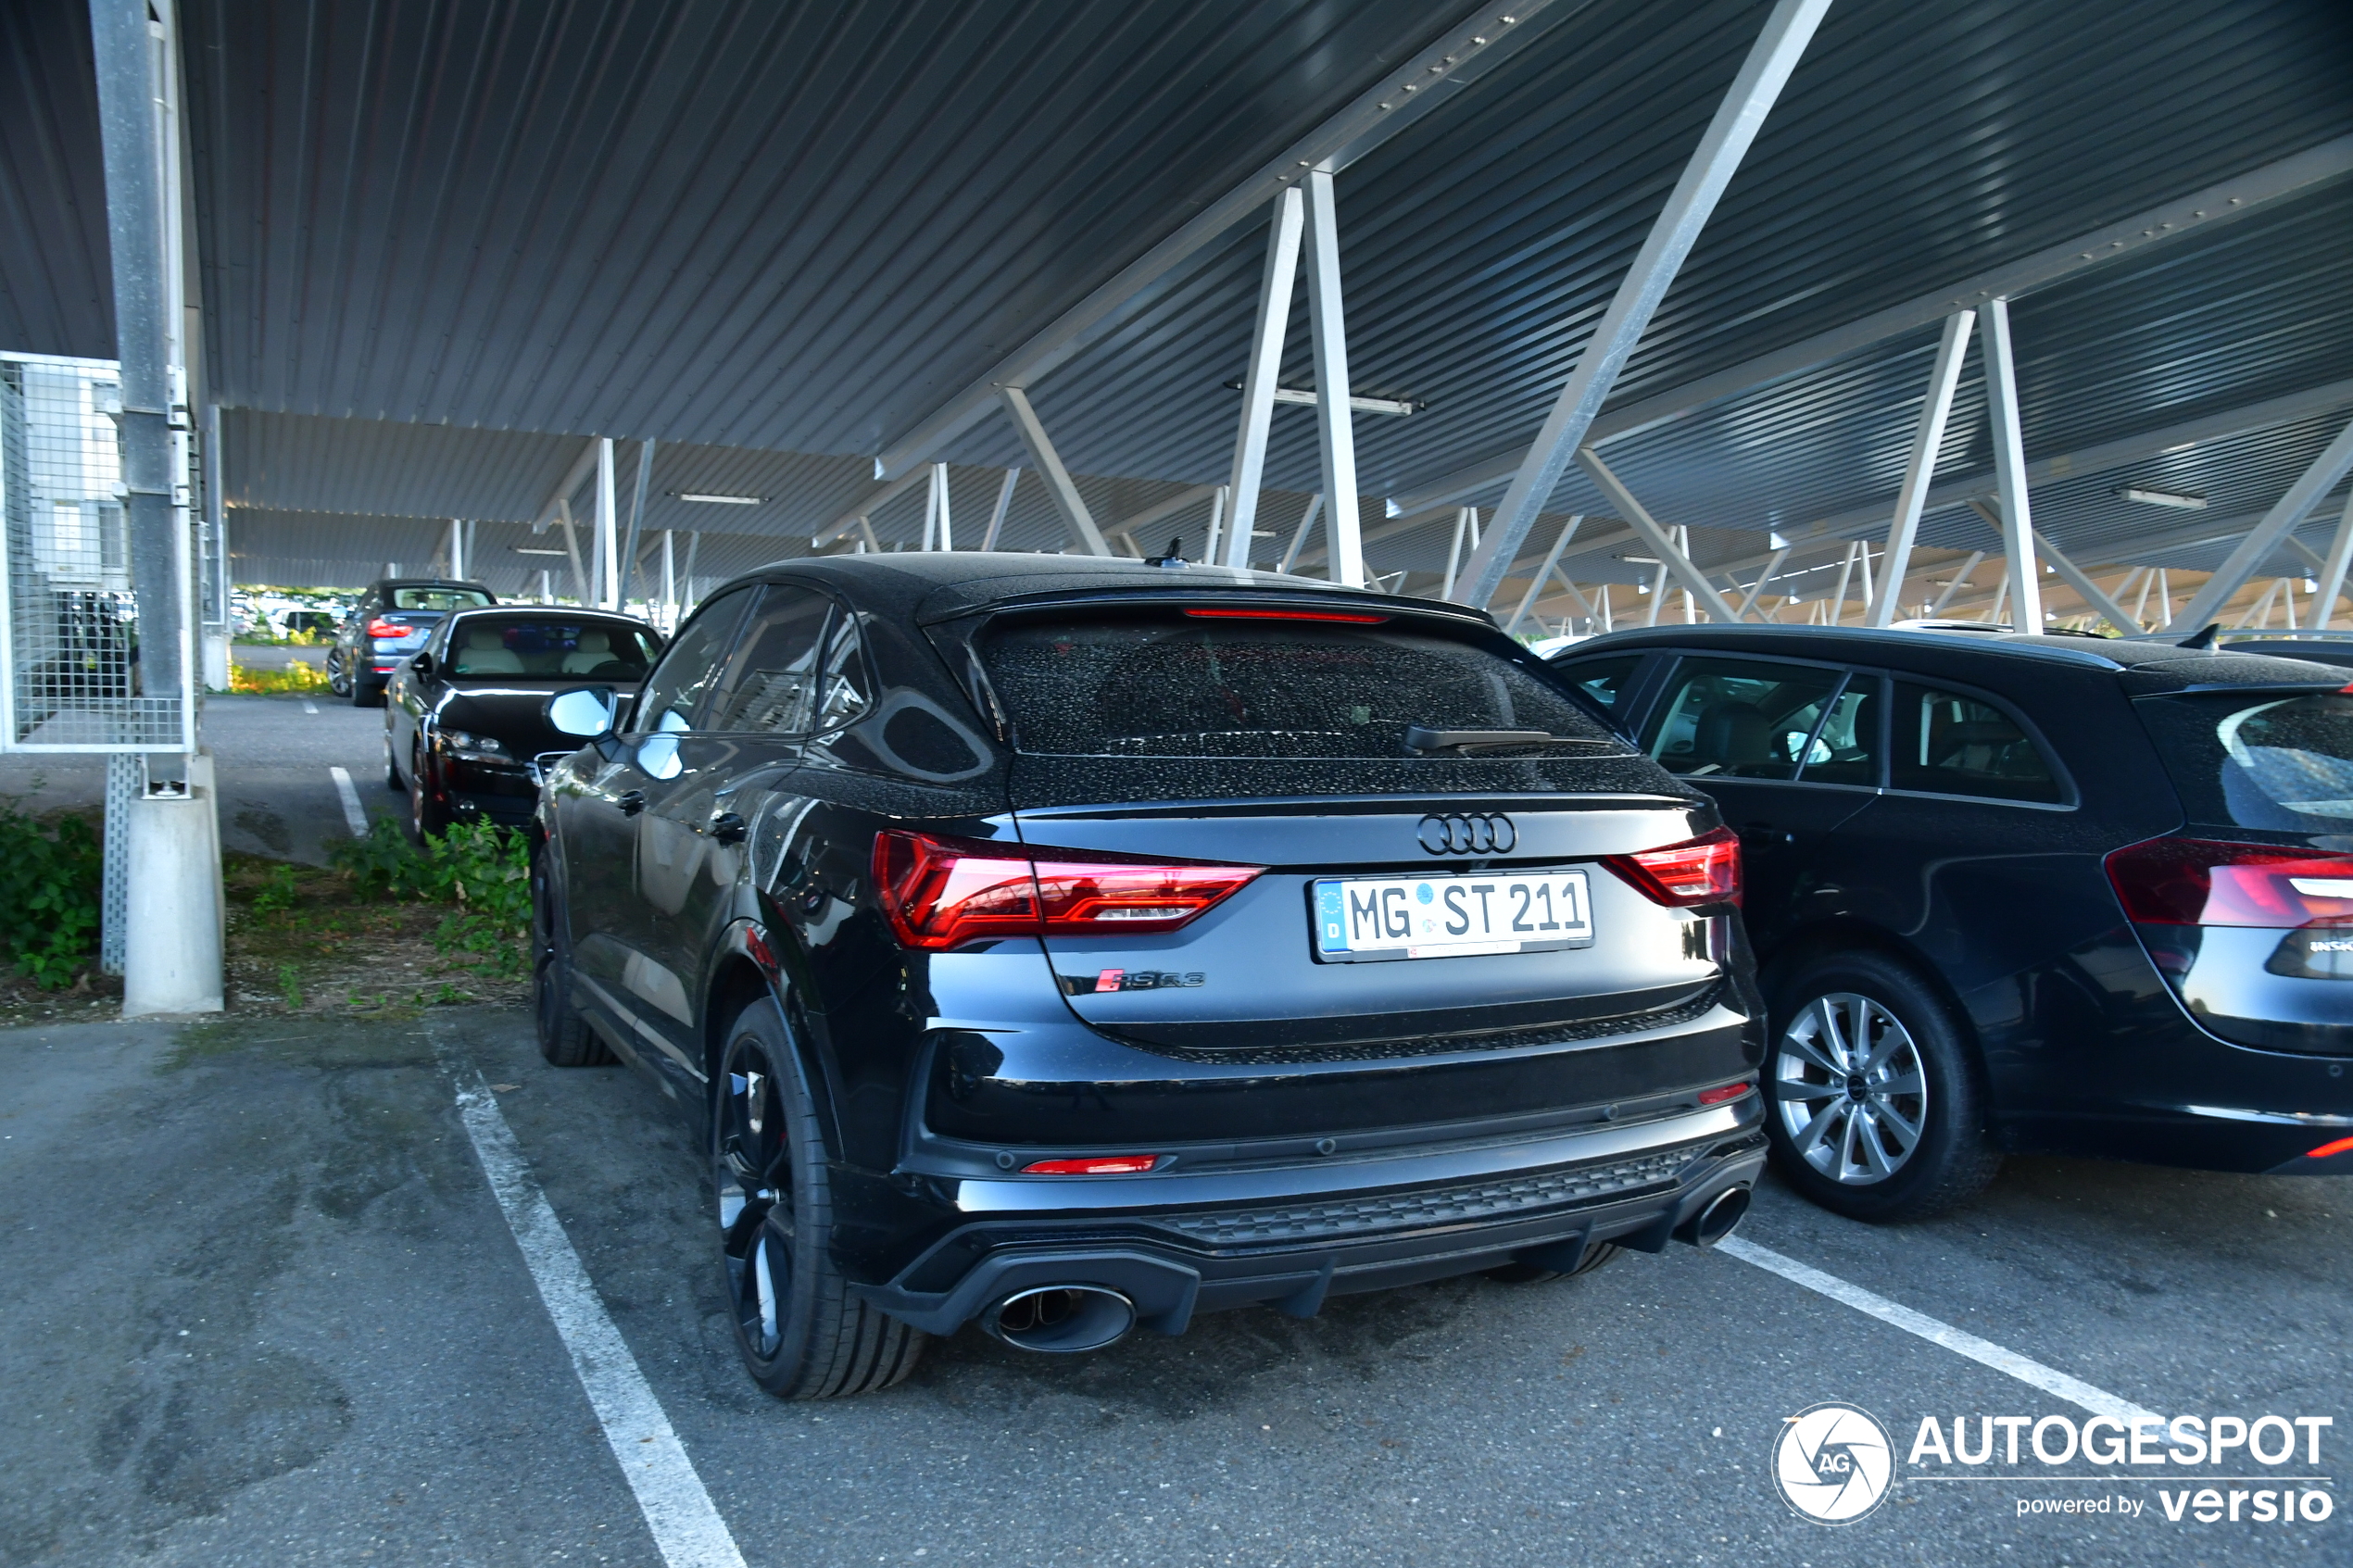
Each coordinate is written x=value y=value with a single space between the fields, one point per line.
x=1069 y=944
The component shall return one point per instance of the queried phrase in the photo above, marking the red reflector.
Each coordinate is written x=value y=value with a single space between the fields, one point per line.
x=1100 y=1165
x=380 y=627
x=1719 y=1095
x=1705 y=870
x=941 y=892
x=2195 y=881
x=1287 y=614
x=2339 y=1146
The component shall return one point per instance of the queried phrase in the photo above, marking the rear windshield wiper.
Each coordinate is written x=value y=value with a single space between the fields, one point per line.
x=1420 y=737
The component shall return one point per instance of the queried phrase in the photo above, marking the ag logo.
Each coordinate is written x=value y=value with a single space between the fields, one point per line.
x=1832 y=1463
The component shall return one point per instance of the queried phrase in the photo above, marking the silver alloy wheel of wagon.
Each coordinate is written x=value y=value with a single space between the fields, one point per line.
x=1850 y=1089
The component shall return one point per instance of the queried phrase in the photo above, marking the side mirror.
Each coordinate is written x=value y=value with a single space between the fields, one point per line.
x=422 y=665
x=585 y=711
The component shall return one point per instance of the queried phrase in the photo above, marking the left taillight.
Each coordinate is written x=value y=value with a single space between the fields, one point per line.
x=2200 y=882
x=391 y=630
x=1705 y=870
x=942 y=893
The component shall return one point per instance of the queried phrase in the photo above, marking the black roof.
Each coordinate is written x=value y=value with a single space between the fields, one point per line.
x=2155 y=666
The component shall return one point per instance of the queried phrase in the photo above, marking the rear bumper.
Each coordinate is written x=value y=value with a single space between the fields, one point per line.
x=1294 y=1235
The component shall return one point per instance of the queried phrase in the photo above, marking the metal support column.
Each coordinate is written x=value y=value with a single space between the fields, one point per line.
x=637 y=521
x=1299 y=534
x=606 y=551
x=1048 y=464
x=1928 y=440
x=2317 y=480
x=2332 y=580
x=1672 y=558
x=1336 y=434
x=1710 y=168
x=1748 y=603
x=669 y=582
x=457 y=549
x=1266 y=362
x=1959 y=579
x=1004 y=504
x=1536 y=584
x=2010 y=469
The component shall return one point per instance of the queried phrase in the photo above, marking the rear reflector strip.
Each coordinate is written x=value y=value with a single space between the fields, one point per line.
x=1287 y=614
x=1101 y=1165
x=1725 y=1092
x=2339 y=1146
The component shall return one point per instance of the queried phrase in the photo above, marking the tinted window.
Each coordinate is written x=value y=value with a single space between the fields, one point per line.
x=1165 y=684
x=1949 y=744
x=439 y=598
x=1734 y=718
x=1603 y=680
x=773 y=683
x=2284 y=764
x=1846 y=749
x=848 y=690
x=693 y=662
x=548 y=649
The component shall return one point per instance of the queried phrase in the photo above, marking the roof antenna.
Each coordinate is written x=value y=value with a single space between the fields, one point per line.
x=2204 y=641
x=1173 y=557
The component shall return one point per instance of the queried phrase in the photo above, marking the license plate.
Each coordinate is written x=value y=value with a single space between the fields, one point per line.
x=1363 y=919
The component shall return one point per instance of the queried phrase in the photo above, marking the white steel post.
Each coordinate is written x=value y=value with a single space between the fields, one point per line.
x=1928 y=439
x=607 y=547
x=2010 y=469
x=2333 y=569
x=1299 y=535
x=1004 y=504
x=1671 y=557
x=1336 y=434
x=1266 y=363
x=1959 y=580
x=669 y=582
x=1536 y=584
x=1048 y=464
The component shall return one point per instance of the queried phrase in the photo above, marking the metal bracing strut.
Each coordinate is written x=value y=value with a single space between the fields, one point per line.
x=1283 y=231
x=1048 y=464
x=1672 y=559
x=2010 y=468
x=1336 y=434
x=2316 y=480
x=1928 y=440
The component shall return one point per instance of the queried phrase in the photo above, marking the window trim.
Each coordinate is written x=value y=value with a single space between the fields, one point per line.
x=837 y=613
x=2070 y=798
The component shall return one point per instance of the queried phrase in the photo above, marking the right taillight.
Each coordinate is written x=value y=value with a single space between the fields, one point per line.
x=942 y=893
x=393 y=630
x=1705 y=870
x=2200 y=882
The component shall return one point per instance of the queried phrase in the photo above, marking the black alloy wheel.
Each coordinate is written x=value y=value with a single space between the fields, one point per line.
x=565 y=1038
x=1874 y=1104
x=802 y=1335
x=428 y=815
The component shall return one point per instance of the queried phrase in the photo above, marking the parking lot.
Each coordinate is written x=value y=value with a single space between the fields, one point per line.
x=262 y=1306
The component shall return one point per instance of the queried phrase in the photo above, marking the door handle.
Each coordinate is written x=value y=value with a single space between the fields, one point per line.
x=631 y=802
x=728 y=827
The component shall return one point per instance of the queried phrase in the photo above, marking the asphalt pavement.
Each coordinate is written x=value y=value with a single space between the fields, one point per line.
x=259 y=1304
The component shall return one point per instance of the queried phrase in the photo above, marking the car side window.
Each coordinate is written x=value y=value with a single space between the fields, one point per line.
x=848 y=690
x=1846 y=749
x=772 y=684
x=1948 y=743
x=1603 y=680
x=678 y=684
x=1747 y=719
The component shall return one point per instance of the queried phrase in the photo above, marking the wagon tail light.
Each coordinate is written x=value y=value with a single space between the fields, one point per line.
x=942 y=893
x=380 y=627
x=1705 y=870
x=2197 y=881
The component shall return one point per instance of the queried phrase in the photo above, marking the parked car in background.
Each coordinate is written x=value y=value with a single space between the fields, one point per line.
x=2021 y=892
x=465 y=717
x=389 y=623
x=1065 y=944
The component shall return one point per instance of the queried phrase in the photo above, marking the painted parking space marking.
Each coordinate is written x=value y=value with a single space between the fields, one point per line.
x=309 y=705
x=352 y=814
x=2075 y=1390
x=678 y=1510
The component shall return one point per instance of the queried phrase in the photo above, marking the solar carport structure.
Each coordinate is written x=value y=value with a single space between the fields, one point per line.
x=795 y=256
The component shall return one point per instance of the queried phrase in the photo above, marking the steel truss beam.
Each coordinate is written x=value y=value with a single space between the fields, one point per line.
x=2317 y=479
x=1265 y=364
x=1048 y=464
x=1928 y=440
x=1671 y=557
x=1738 y=117
x=2221 y=203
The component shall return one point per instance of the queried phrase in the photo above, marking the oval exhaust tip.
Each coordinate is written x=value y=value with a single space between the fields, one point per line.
x=1723 y=1212
x=1061 y=1319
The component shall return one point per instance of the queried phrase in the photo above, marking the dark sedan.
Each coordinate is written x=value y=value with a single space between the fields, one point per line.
x=465 y=721
x=2022 y=893
x=1065 y=945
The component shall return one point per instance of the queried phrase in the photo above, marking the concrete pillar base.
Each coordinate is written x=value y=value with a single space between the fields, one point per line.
x=172 y=947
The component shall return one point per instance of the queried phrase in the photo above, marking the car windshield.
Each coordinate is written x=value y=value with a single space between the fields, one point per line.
x=2262 y=761
x=1163 y=682
x=439 y=598
x=548 y=649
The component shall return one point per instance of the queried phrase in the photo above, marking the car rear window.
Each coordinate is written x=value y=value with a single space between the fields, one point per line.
x=2272 y=761
x=439 y=598
x=548 y=649
x=1163 y=684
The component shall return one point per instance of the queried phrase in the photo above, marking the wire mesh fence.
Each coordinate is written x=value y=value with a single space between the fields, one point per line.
x=69 y=644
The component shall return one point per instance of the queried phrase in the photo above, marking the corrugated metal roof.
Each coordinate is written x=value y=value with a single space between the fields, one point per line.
x=57 y=293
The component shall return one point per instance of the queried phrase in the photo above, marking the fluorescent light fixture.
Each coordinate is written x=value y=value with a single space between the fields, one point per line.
x=720 y=500
x=1361 y=405
x=526 y=550
x=2162 y=498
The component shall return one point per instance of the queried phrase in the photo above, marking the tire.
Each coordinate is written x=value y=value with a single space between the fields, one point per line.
x=428 y=816
x=337 y=683
x=1875 y=1107
x=801 y=1334
x=366 y=694
x=1594 y=1257
x=565 y=1038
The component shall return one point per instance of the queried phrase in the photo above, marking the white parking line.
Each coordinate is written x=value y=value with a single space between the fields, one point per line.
x=352 y=814
x=309 y=705
x=2075 y=1390
x=687 y=1527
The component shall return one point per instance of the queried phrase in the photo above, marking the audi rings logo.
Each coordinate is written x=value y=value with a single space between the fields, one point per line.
x=1489 y=834
x=1832 y=1463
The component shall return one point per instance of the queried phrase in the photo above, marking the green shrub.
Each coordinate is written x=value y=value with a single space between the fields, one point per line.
x=49 y=878
x=480 y=867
